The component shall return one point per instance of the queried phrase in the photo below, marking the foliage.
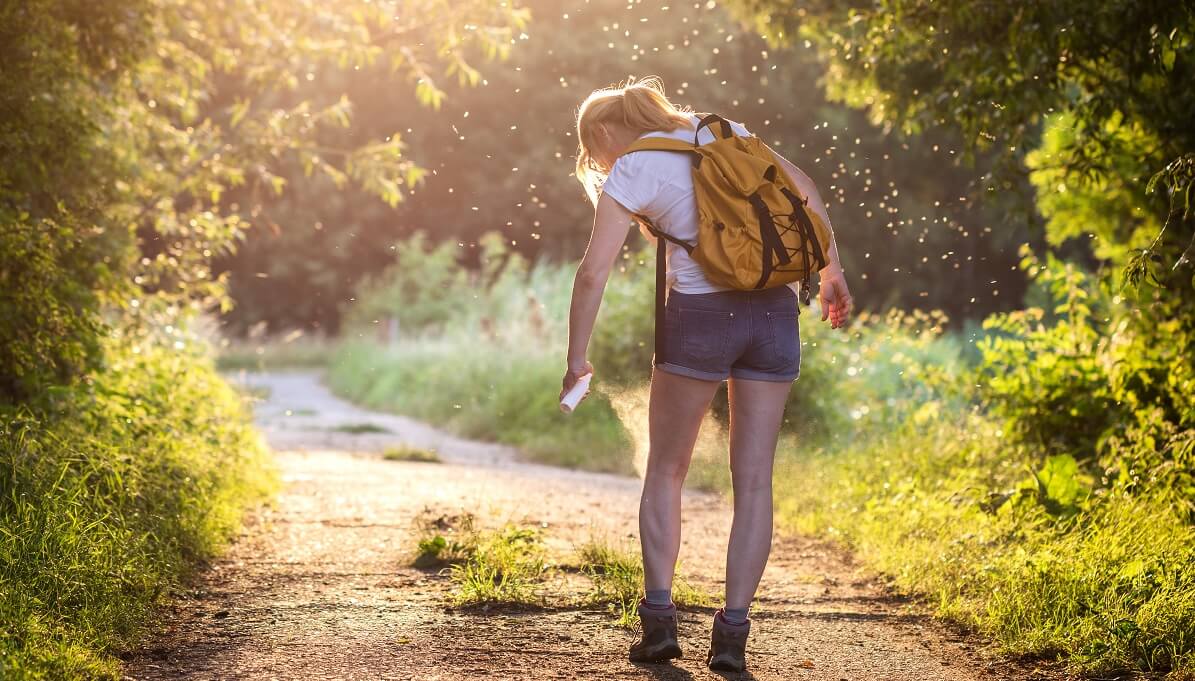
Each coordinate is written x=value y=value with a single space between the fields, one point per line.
x=1113 y=74
x=471 y=353
x=1091 y=384
x=55 y=270
x=1108 y=85
x=1178 y=178
x=138 y=138
x=995 y=70
x=127 y=127
x=1049 y=377
x=501 y=157
x=418 y=295
x=50 y=324
x=954 y=510
x=109 y=499
x=1103 y=211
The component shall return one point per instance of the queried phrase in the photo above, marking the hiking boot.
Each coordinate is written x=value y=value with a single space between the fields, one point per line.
x=728 y=645
x=659 y=642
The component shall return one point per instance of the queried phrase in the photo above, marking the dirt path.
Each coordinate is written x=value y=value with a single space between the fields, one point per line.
x=320 y=586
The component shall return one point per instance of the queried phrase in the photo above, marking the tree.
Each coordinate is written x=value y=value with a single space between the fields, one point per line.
x=127 y=124
x=500 y=158
x=1091 y=101
x=1110 y=79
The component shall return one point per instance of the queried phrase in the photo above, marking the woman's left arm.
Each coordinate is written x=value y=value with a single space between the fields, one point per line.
x=611 y=222
x=834 y=297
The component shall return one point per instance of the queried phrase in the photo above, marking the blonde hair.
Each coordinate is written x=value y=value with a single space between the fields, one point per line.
x=640 y=106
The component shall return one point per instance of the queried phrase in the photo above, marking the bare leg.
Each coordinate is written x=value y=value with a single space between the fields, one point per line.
x=678 y=404
x=756 y=409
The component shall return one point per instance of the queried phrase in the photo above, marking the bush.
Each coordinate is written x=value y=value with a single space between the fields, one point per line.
x=1083 y=380
x=108 y=498
x=952 y=509
x=50 y=293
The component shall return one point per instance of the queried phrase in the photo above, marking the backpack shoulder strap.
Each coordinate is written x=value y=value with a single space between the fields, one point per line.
x=708 y=120
x=660 y=144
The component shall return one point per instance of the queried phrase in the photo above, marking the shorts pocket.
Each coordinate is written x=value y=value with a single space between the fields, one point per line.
x=786 y=336
x=703 y=336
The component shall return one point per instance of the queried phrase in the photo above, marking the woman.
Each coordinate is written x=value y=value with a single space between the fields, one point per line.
x=712 y=334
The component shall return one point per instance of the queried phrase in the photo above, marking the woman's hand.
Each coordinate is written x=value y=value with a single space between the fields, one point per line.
x=573 y=375
x=834 y=297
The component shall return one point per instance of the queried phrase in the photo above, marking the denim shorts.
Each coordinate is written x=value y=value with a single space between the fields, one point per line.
x=751 y=335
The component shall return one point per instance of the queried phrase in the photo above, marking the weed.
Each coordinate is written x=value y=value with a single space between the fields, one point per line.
x=360 y=428
x=496 y=567
x=409 y=453
x=444 y=539
x=617 y=575
x=506 y=567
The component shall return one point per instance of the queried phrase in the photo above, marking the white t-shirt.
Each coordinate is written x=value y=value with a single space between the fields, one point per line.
x=659 y=185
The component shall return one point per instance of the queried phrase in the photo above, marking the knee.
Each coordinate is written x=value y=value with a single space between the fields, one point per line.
x=665 y=472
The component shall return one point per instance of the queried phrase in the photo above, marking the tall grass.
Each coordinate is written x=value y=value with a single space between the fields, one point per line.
x=501 y=391
x=273 y=354
x=939 y=505
x=108 y=497
x=481 y=357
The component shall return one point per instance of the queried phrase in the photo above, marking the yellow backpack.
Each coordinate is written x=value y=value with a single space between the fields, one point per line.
x=755 y=230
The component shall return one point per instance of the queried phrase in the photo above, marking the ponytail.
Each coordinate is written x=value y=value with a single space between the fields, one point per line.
x=640 y=106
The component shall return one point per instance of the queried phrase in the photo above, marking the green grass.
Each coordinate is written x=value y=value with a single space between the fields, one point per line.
x=272 y=354
x=510 y=566
x=507 y=567
x=443 y=539
x=360 y=428
x=409 y=453
x=108 y=499
x=617 y=575
x=504 y=392
x=1107 y=589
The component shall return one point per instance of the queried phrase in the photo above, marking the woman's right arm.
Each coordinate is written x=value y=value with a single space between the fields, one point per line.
x=611 y=223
